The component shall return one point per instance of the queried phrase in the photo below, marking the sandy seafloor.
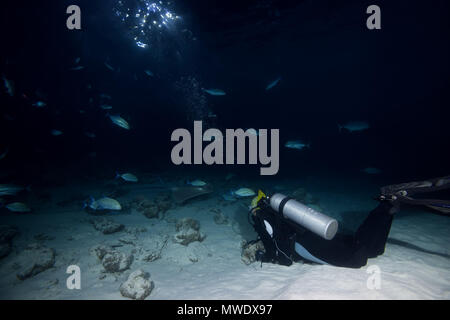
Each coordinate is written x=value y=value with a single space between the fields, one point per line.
x=416 y=264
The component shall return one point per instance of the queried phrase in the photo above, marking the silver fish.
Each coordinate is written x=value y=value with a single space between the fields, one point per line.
x=9 y=85
x=229 y=176
x=127 y=177
x=105 y=96
x=371 y=170
x=197 y=183
x=215 y=92
x=109 y=66
x=39 y=104
x=273 y=84
x=10 y=189
x=56 y=133
x=296 y=144
x=4 y=154
x=354 y=126
x=77 y=68
x=119 y=121
x=18 y=207
x=104 y=203
x=244 y=192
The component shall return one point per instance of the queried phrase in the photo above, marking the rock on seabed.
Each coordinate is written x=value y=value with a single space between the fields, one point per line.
x=138 y=286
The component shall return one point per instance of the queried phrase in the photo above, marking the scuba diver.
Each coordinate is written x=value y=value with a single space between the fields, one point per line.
x=291 y=231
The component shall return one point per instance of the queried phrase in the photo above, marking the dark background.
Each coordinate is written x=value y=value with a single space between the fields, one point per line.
x=333 y=70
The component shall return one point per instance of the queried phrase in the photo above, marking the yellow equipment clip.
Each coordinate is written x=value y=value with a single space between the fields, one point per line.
x=255 y=202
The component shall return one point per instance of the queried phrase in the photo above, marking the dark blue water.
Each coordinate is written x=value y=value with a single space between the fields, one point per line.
x=333 y=70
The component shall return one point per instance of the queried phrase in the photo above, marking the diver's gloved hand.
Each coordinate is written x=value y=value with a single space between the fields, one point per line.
x=261 y=256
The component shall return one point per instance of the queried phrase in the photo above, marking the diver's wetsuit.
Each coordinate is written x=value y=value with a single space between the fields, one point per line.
x=351 y=251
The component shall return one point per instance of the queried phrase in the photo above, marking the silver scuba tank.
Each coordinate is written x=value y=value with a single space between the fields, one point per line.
x=322 y=225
